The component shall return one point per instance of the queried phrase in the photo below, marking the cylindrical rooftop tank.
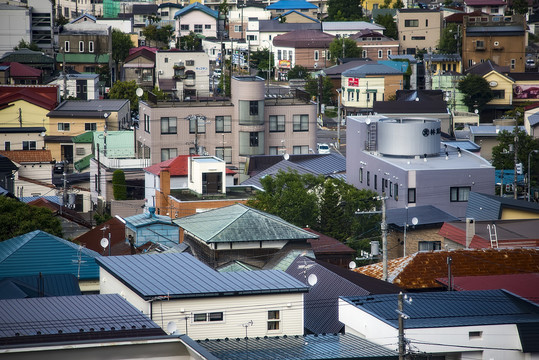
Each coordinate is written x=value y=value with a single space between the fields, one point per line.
x=409 y=137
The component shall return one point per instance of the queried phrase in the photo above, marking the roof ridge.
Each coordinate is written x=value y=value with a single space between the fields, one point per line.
x=230 y=222
x=19 y=246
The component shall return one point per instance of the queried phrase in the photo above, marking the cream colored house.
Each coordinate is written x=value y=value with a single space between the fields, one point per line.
x=177 y=290
x=419 y=29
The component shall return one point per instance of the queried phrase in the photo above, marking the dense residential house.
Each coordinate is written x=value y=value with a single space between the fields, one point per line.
x=362 y=86
x=243 y=21
x=151 y=228
x=196 y=18
x=79 y=86
x=183 y=74
x=80 y=11
x=281 y=7
x=166 y=11
x=531 y=120
x=419 y=29
x=41 y=252
x=308 y=48
x=491 y=7
x=321 y=302
x=438 y=64
x=448 y=82
x=114 y=231
x=333 y=73
x=14 y=26
x=140 y=66
x=266 y=30
x=349 y=28
x=404 y=159
x=19 y=74
x=83 y=151
x=501 y=39
x=376 y=45
x=206 y=304
x=7 y=182
x=84 y=47
x=486 y=136
x=35 y=59
x=489 y=207
x=249 y=123
x=32 y=286
x=35 y=168
x=451 y=323
x=331 y=250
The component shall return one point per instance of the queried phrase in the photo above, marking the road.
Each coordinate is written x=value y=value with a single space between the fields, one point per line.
x=329 y=136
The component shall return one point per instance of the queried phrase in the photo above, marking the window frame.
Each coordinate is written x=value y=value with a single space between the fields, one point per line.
x=253 y=108
x=274 y=320
x=201 y=125
x=411 y=23
x=223 y=124
x=90 y=126
x=91 y=47
x=226 y=152
x=412 y=196
x=168 y=151
x=166 y=127
x=207 y=317
x=67 y=47
x=300 y=122
x=277 y=123
x=198 y=29
x=64 y=126
x=459 y=193
x=81 y=46
x=29 y=145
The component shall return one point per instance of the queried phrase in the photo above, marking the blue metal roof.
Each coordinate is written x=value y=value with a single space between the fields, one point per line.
x=451 y=308
x=401 y=66
x=489 y=207
x=534 y=119
x=291 y=5
x=86 y=316
x=40 y=252
x=324 y=165
x=298 y=13
x=371 y=69
x=146 y=219
x=197 y=6
x=426 y=215
x=53 y=198
x=464 y=145
x=307 y=347
x=284 y=165
x=157 y=275
x=35 y=286
x=508 y=177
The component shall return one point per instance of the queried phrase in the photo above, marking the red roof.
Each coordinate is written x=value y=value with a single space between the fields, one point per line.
x=145 y=53
x=459 y=17
x=458 y=235
x=524 y=285
x=328 y=245
x=485 y=2
x=178 y=166
x=20 y=70
x=45 y=96
x=28 y=156
x=134 y=50
x=92 y=239
x=62 y=211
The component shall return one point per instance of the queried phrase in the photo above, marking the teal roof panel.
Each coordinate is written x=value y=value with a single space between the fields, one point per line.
x=196 y=6
x=120 y=144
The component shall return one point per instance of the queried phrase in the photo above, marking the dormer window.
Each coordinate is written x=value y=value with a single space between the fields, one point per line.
x=81 y=46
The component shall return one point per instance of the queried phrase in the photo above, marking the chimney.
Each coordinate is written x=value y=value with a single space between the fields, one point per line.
x=470 y=231
x=164 y=185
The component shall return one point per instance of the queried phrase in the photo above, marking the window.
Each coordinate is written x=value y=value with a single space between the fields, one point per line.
x=276 y=123
x=361 y=175
x=251 y=37
x=224 y=153
x=90 y=126
x=201 y=124
x=429 y=245
x=207 y=26
x=470 y=62
x=364 y=54
x=184 y=27
x=189 y=62
x=168 y=125
x=426 y=22
x=166 y=60
x=168 y=153
x=147 y=123
x=28 y=145
x=316 y=55
x=223 y=124
x=90 y=46
x=81 y=46
x=253 y=108
x=513 y=62
x=498 y=94
x=380 y=54
x=396 y=191
x=237 y=28
x=273 y=150
x=388 y=53
x=66 y=46
x=198 y=28
x=375 y=181
x=300 y=149
x=418 y=38
x=411 y=196
x=66 y=12
x=411 y=23
x=479 y=44
x=391 y=189
x=368 y=178
x=63 y=127
x=301 y=123
x=208 y=317
x=475 y=335
x=253 y=139
x=279 y=55
x=80 y=151
x=494 y=9
x=460 y=194
x=274 y=320
x=7 y=146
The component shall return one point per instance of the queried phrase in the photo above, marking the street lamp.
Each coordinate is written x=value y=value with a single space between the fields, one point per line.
x=529 y=173
x=269 y=64
x=338 y=117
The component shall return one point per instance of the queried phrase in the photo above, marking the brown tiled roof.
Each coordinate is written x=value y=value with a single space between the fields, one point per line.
x=62 y=211
x=420 y=270
x=28 y=156
x=328 y=245
x=92 y=239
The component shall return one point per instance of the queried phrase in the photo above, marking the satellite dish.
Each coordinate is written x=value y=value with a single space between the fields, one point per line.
x=139 y=92
x=415 y=221
x=171 y=327
x=104 y=243
x=286 y=156
x=352 y=265
x=476 y=111
x=368 y=121
x=312 y=279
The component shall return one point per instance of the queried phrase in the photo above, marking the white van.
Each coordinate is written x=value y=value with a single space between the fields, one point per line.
x=323 y=148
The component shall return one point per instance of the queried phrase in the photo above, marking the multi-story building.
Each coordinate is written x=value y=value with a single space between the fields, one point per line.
x=419 y=29
x=376 y=45
x=501 y=39
x=196 y=18
x=249 y=123
x=494 y=7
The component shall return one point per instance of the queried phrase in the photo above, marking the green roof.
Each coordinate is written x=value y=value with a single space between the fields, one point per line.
x=83 y=58
x=236 y=266
x=87 y=137
x=83 y=163
x=120 y=144
x=240 y=223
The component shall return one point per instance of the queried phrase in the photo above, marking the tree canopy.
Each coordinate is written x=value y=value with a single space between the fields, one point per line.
x=160 y=35
x=121 y=43
x=18 y=218
x=388 y=22
x=125 y=90
x=448 y=40
x=504 y=158
x=351 y=50
x=344 y=10
x=476 y=90
x=298 y=72
x=325 y=205
x=190 y=42
x=119 y=188
x=26 y=45
x=327 y=89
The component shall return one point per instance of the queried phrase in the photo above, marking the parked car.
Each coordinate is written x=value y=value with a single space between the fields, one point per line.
x=217 y=73
x=530 y=63
x=59 y=167
x=323 y=148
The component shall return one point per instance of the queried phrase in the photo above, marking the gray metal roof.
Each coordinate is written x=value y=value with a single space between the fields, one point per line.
x=370 y=69
x=452 y=308
x=307 y=347
x=146 y=219
x=426 y=215
x=157 y=275
x=534 y=119
x=489 y=207
x=92 y=105
x=350 y=25
x=35 y=286
x=464 y=145
x=324 y=165
x=491 y=130
x=442 y=57
x=284 y=165
x=48 y=319
x=505 y=30
x=240 y=223
x=276 y=26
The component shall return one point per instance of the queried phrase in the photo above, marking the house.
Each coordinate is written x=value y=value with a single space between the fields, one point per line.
x=486 y=136
x=496 y=37
x=31 y=286
x=197 y=18
x=331 y=250
x=41 y=252
x=415 y=229
x=321 y=302
x=489 y=207
x=249 y=123
x=419 y=271
x=349 y=28
x=266 y=30
x=79 y=86
x=491 y=7
x=308 y=48
x=149 y=227
x=404 y=159
x=20 y=74
x=83 y=151
x=440 y=63
x=140 y=66
x=32 y=165
x=7 y=169
x=204 y=303
x=419 y=29
x=454 y=323
x=334 y=72
x=35 y=59
x=280 y=7
x=531 y=120
x=376 y=45
x=447 y=82
x=219 y=236
x=336 y=346
x=114 y=231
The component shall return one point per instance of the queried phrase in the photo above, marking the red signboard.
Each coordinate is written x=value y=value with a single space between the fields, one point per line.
x=353 y=82
x=526 y=92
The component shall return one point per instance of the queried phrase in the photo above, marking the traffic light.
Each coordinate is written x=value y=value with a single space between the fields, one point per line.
x=519 y=168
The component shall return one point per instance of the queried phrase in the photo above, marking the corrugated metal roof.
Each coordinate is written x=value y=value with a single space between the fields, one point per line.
x=291 y=5
x=452 y=308
x=349 y=25
x=464 y=145
x=284 y=165
x=307 y=347
x=36 y=286
x=120 y=144
x=146 y=219
x=489 y=207
x=240 y=223
x=67 y=317
x=427 y=215
x=327 y=245
x=276 y=25
x=492 y=130
x=53 y=198
x=40 y=252
x=86 y=137
x=441 y=57
x=371 y=69
x=157 y=275
x=92 y=105
x=196 y=6
x=324 y=165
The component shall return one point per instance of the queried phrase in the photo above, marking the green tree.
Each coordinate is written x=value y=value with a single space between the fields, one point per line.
x=520 y=6
x=298 y=72
x=104 y=74
x=119 y=186
x=25 y=45
x=121 y=43
x=351 y=50
x=399 y=4
x=388 y=22
x=344 y=10
x=262 y=60
x=191 y=42
x=312 y=87
x=386 y=4
x=160 y=35
x=504 y=158
x=448 y=40
x=61 y=20
x=125 y=90
x=476 y=90
x=18 y=218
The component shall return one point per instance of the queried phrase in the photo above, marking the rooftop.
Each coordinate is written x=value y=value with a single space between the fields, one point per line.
x=291 y=5
x=350 y=26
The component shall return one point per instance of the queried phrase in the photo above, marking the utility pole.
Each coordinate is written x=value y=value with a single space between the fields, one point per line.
x=338 y=118
x=515 y=148
x=196 y=134
x=383 y=226
x=401 y=326
x=64 y=195
x=20 y=117
x=449 y=278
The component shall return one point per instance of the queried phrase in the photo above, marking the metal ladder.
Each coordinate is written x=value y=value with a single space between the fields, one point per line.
x=371 y=145
x=493 y=236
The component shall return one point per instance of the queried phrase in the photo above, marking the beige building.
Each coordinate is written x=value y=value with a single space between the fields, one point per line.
x=419 y=29
x=249 y=123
